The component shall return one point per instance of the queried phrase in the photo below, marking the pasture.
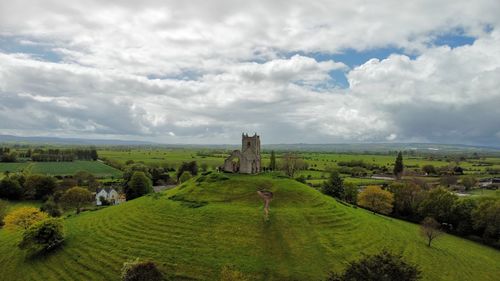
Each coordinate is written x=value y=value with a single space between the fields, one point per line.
x=197 y=228
x=97 y=168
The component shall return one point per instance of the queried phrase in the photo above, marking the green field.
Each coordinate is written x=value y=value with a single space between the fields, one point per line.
x=215 y=223
x=97 y=168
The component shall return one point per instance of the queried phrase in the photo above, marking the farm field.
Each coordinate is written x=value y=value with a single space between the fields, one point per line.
x=194 y=230
x=97 y=168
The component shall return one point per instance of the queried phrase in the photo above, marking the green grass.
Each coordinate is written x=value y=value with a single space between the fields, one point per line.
x=215 y=223
x=485 y=193
x=97 y=168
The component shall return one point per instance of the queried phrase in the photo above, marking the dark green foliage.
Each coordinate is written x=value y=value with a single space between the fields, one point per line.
x=10 y=189
x=461 y=216
x=407 y=197
x=77 y=197
x=7 y=156
x=398 y=166
x=301 y=179
x=138 y=186
x=383 y=266
x=39 y=187
x=191 y=167
x=51 y=208
x=3 y=211
x=129 y=172
x=141 y=271
x=429 y=169
x=486 y=219
x=438 y=203
x=272 y=163
x=334 y=186
x=351 y=193
x=43 y=236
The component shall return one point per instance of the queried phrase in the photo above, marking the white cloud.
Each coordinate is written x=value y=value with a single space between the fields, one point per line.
x=223 y=67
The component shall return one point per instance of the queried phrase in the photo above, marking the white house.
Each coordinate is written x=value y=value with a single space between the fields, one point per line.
x=110 y=195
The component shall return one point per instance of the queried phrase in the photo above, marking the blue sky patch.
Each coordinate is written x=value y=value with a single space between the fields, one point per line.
x=453 y=40
x=40 y=51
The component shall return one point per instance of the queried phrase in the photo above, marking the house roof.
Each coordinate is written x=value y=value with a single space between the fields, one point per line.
x=107 y=189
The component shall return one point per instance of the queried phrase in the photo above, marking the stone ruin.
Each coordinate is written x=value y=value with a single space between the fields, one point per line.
x=246 y=160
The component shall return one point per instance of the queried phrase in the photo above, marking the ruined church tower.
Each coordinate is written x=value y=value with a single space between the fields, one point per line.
x=247 y=160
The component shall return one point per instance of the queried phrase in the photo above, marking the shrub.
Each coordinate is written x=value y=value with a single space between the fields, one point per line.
x=138 y=186
x=383 y=266
x=39 y=187
x=24 y=217
x=77 y=197
x=334 y=186
x=185 y=176
x=376 y=199
x=43 y=236
x=10 y=189
x=3 y=211
x=141 y=271
x=51 y=208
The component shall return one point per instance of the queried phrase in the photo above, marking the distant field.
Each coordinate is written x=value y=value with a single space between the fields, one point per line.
x=97 y=168
x=210 y=224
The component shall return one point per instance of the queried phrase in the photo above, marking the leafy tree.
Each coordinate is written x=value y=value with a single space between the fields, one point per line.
x=351 y=193
x=229 y=273
x=438 y=203
x=448 y=180
x=43 y=236
x=292 y=163
x=185 y=177
x=376 y=199
x=430 y=229
x=191 y=167
x=407 y=196
x=84 y=178
x=51 y=208
x=272 y=163
x=486 y=219
x=383 y=266
x=334 y=186
x=141 y=271
x=24 y=217
x=39 y=187
x=429 y=169
x=10 y=189
x=138 y=186
x=461 y=216
x=469 y=182
x=398 y=166
x=77 y=197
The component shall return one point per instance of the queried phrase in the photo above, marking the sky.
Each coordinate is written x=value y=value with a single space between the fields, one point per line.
x=203 y=72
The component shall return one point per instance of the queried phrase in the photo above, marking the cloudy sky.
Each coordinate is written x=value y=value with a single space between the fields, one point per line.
x=293 y=71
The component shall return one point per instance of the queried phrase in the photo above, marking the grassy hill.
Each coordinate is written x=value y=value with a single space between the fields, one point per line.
x=194 y=230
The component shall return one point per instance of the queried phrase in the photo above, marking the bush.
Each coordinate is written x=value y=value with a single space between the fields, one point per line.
x=43 y=236
x=3 y=211
x=184 y=177
x=24 y=217
x=51 y=208
x=39 y=187
x=10 y=189
x=383 y=266
x=138 y=186
x=141 y=271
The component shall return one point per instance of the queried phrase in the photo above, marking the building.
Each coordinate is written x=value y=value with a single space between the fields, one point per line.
x=246 y=160
x=110 y=195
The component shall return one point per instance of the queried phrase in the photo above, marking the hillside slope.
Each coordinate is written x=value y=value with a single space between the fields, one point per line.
x=194 y=230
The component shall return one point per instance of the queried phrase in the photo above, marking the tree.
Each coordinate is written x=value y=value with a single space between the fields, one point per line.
x=383 y=266
x=51 y=208
x=429 y=169
x=185 y=177
x=398 y=166
x=191 y=167
x=430 y=229
x=486 y=219
x=448 y=180
x=43 y=236
x=10 y=189
x=469 y=182
x=407 y=196
x=138 y=186
x=438 y=203
x=292 y=163
x=351 y=193
x=461 y=216
x=334 y=186
x=141 y=271
x=39 y=187
x=272 y=162
x=376 y=199
x=24 y=217
x=77 y=197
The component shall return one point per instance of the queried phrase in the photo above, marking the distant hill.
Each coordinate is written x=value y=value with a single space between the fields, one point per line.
x=194 y=230
x=342 y=147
